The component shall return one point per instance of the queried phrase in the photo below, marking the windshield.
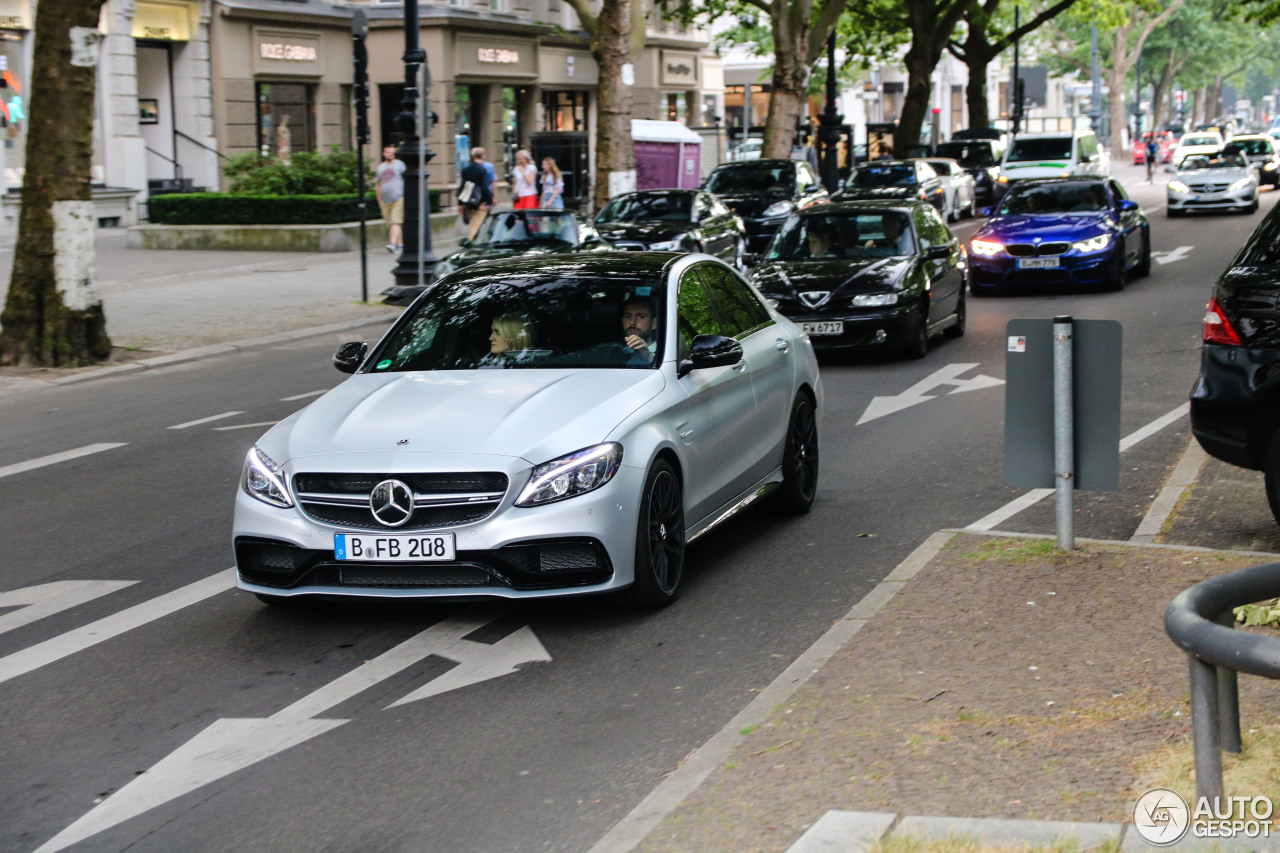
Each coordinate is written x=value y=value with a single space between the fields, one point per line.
x=1230 y=159
x=1057 y=198
x=1201 y=140
x=519 y=228
x=523 y=320
x=1256 y=147
x=968 y=153
x=1030 y=150
x=887 y=175
x=843 y=235
x=778 y=179
x=649 y=207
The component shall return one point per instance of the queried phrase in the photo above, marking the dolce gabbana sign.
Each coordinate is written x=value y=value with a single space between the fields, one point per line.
x=515 y=61
x=495 y=54
x=286 y=52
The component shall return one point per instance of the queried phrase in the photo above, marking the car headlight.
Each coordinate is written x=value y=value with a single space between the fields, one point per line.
x=1240 y=184
x=263 y=479
x=1269 y=167
x=1093 y=244
x=1004 y=179
x=779 y=208
x=874 y=300
x=986 y=248
x=569 y=476
x=1179 y=187
x=665 y=245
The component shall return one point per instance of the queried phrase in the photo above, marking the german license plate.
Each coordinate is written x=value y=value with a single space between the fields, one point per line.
x=393 y=547
x=1037 y=263
x=828 y=327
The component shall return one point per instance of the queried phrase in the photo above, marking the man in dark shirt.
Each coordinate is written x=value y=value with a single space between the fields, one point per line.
x=481 y=193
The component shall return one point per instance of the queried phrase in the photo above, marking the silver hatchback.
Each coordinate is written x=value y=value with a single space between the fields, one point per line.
x=537 y=427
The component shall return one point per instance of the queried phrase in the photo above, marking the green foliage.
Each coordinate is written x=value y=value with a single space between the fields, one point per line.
x=232 y=209
x=305 y=174
x=1265 y=613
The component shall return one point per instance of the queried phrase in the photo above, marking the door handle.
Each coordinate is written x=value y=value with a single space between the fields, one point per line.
x=782 y=345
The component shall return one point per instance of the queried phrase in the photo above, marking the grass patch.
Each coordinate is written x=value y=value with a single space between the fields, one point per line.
x=1017 y=551
x=958 y=844
x=746 y=730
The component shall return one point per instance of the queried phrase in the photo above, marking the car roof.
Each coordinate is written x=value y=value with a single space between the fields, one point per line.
x=762 y=161
x=864 y=205
x=1052 y=134
x=1074 y=179
x=571 y=265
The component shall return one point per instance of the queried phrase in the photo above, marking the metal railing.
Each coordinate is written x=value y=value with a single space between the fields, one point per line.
x=195 y=141
x=1200 y=621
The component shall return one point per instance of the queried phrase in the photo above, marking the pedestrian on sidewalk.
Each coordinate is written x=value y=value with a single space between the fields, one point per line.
x=552 y=185
x=474 y=202
x=390 y=191
x=525 y=185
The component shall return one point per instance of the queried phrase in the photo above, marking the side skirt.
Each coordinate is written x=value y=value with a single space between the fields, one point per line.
x=737 y=505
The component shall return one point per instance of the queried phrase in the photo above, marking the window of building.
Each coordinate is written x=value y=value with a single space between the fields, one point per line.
x=892 y=101
x=460 y=4
x=286 y=118
x=13 y=112
x=502 y=6
x=957 y=108
x=563 y=111
x=676 y=107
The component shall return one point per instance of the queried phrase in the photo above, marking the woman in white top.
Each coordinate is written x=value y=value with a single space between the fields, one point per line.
x=525 y=181
x=552 y=185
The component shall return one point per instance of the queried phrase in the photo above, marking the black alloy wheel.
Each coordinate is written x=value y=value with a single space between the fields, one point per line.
x=799 y=460
x=1143 y=269
x=918 y=345
x=1115 y=277
x=957 y=331
x=659 y=562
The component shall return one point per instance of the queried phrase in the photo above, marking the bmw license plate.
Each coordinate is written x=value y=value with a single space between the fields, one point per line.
x=829 y=327
x=393 y=547
x=1037 y=263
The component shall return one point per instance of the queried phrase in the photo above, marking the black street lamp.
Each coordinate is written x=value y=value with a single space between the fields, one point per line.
x=829 y=125
x=413 y=150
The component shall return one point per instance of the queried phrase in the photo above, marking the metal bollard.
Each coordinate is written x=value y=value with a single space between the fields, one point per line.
x=1063 y=433
x=1205 y=732
x=1228 y=697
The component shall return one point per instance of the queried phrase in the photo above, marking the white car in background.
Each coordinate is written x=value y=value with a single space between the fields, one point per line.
x=960 y=188
x=1221 y=181
x=748 y=149
x=1196 y=142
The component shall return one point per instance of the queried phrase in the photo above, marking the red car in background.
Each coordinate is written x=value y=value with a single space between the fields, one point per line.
x=1164 y=142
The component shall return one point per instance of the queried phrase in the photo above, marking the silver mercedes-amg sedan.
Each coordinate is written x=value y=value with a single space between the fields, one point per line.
x=537 y=427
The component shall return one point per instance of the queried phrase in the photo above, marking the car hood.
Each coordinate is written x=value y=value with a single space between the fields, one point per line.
x=853 y=193
x=644 y=232
x=1215 y=175
x=1023 y=228
x=532 y=414
x=752 y=204
x=840 y=276
x=467 y=257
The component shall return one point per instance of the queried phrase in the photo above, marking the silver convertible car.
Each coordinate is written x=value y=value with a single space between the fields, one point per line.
x=537 y=427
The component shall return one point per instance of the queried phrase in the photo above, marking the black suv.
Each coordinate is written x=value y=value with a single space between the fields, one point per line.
x=763 y=193
x=1235 y=404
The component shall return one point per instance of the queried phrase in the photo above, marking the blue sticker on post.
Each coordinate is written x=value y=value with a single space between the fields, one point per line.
x=643 y=291
x=340 y=546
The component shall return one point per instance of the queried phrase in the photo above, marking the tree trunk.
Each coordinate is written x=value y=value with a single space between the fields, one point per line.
x=791 y=69
x=1116 y=84
x=53 y=314
x=615 y=151
x=976 y=90
x=915 y=102
x=1158 y=91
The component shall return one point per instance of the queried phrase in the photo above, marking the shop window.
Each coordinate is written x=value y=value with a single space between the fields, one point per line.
x=512 y=132
x=468 y=106
x=563 y=111
x=892 y=101
x=676 y=106
x=13 y=112
x=286 y=119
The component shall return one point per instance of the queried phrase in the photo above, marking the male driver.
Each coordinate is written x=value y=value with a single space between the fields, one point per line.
x=637 y=326
x=894 y=236
x=390 y=191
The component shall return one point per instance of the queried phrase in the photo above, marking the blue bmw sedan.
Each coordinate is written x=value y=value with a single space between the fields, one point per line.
x=1061 y=231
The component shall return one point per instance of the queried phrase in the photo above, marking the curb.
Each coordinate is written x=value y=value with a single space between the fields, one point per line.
x=195 y=354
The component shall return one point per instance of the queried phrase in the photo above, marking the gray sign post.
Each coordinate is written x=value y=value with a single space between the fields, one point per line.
x=1062 y=409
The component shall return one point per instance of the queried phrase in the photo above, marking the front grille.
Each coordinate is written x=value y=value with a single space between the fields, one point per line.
x=547 y=564
x=440 y=499
x=1209 y=188
x=1031 y=250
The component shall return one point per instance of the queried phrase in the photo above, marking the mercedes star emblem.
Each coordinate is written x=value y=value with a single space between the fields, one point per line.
x=391 y=502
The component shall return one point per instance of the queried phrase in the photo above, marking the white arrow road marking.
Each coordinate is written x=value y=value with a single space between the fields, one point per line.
x=53 y=459
x=41 y=654
x=881 y=406
x=1178 y=254
x=46 y=599
x=230 y=745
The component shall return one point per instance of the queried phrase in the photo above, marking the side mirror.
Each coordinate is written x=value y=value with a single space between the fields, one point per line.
x=350 y=356
x=1127 y=204
x=939 y=253
x=710 y=351
x=985 y=211
x=464 y=242
x=750 y=259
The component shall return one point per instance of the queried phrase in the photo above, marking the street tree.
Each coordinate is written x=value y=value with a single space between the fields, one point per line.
x=53 y=314
x=988 y=31
x=617 y=40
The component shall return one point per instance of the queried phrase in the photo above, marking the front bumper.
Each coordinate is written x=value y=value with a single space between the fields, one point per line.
x=1075 y=268
x=1238 y=200
x=582 y=545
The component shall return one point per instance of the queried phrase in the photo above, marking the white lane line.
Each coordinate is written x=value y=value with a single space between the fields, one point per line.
x=1184 y=474
x=205 y=420
x=55 y=458
x=304 y=396
x=42 y=654
x=1034 y=496
x=246 y=426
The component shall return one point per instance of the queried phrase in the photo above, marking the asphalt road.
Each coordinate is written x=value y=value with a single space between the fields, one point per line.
x=102 y=685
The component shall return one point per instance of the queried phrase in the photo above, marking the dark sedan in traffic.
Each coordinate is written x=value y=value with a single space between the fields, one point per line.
x=1061 y=231
x=673 y=221
x=894 y=180
x=867 y=275
x=763 y=193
